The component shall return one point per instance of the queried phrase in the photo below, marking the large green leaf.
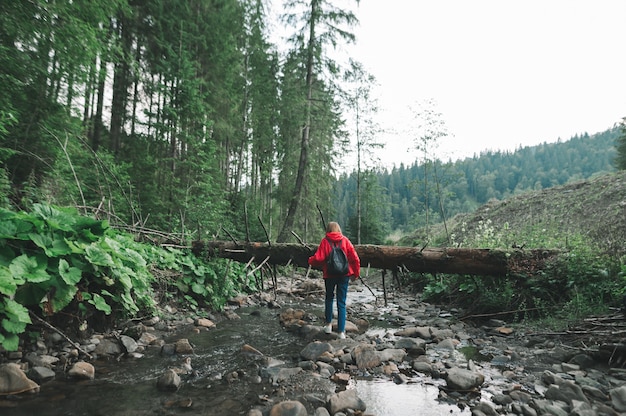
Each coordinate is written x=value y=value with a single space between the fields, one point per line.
x=124 y=276
x=29 y=268
x=8 y=228
x=16 y=312
x=7 y=283
x=198 y=288
x=129 y=303
x=42 y=241
x=56 y=218
x=10 y=342
x=98 y=256
x=100 y=304
x=13 y=327
x=70 y=275
x=63 y=296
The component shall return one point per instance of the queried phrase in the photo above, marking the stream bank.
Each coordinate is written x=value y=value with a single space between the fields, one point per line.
x=266 y=356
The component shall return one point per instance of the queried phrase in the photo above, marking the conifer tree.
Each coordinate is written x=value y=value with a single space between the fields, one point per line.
x=319 y=26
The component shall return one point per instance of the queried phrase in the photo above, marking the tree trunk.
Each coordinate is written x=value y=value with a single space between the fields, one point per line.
x=471 y=261
x=303 y=165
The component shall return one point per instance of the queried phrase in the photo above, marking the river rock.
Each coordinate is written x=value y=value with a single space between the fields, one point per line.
x=183 y=346
x=422 y=367
x=618 y=398
x=151 y=321
x=424 y=332
x=129 y=343
x=447 y=344
x=315 y=349
x=288 y=408
x=392 y=354
x=169 y=381
x=44 y=360
x=292 y=318
x=147 y=338
x=365 y=356
x=550 y=407
x=82 y=370
x=108 y=346
x=413 y=346
x=13 y=380
x=485 y=409
x=205 y=323
x=345 y=400
x=41 y=374
x=462 y=379
x=566 y=392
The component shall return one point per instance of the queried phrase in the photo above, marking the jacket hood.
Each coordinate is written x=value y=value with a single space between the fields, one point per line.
x=334 y=235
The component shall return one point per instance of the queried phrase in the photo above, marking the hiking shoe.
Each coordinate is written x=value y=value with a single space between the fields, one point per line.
x=328 y=328
x=342 y=335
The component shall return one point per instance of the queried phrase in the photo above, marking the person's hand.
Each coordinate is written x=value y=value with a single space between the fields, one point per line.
x=353 y=278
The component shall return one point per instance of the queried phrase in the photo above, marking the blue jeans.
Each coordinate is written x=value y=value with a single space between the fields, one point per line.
x=341 y=283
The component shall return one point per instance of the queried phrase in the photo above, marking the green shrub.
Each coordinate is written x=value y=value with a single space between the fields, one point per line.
x=53 y=259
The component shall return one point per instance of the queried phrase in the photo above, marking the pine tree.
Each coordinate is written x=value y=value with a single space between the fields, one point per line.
x=319 y=23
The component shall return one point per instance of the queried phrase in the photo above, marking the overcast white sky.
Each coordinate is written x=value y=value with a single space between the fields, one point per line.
x=504 y=73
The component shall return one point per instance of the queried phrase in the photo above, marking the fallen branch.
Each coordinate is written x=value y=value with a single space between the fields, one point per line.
x=58 y=331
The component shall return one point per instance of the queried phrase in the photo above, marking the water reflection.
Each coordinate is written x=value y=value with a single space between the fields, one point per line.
x=384 y=398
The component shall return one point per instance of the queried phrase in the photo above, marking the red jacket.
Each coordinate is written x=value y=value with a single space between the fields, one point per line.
x=318 y=260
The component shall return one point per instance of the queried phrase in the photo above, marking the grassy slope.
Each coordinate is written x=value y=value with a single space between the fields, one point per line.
x=593 y=210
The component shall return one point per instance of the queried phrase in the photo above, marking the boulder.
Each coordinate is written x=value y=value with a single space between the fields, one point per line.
x=14 y=381
x=169 y=381
x=183 y=346
x=366 y=357
x=463 y=380
x=345 y=400
x=82 y=370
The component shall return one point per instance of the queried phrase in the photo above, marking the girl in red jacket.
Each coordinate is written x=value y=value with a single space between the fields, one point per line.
x=333 y=233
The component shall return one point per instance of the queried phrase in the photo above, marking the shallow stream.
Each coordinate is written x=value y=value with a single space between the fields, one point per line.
x=225 y=382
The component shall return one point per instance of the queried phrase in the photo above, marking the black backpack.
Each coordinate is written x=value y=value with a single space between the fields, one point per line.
x=336 y=262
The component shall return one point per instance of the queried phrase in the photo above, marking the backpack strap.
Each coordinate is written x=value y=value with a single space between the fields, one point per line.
x=333 y=244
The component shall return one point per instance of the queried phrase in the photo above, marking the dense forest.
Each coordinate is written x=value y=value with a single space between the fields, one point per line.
x=184 y=117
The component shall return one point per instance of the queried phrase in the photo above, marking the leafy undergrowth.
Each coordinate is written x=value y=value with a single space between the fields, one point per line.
x=586 y=220
x=57 y=263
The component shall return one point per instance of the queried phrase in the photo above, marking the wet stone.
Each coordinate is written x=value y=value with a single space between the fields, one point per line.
x=13 y=380
x=462 y=379
x=618 y=398
x=108 y=347
x=41 y=374
x=346 y=400
x=169 y=381
x=183 y=346
x=82 y=370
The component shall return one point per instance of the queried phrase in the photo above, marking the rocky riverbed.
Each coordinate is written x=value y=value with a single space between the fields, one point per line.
x=286 y=364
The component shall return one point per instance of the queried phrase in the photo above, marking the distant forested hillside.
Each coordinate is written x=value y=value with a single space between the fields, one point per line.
x=410 y=197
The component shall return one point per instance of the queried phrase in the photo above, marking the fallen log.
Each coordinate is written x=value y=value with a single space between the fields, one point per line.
x=471 y=261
